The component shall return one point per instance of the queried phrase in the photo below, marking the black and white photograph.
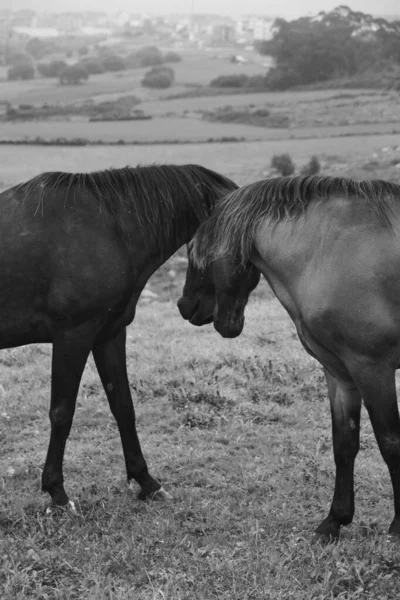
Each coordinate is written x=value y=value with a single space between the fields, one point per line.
x=199 y=300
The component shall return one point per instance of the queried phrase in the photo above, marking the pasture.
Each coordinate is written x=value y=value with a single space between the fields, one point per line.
x=193 y=70
x=299 y=115
x=359 y=156
x=174 y=129
x=238 y=431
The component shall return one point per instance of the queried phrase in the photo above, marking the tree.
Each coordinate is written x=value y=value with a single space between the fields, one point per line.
x=158 y=77
x=150 y=56
x=18 y=58
x=83 y=51
x=21 y=71
x=283 y=163
x=92 y=66
x=52 y=69
x=113 y=62
x=340 y=43
x=229 y=81
x=73 y=75
x=38 y=48
x=313 y=167
x=170 y=57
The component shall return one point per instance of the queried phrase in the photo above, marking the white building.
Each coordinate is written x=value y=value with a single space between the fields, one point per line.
x=262 y=29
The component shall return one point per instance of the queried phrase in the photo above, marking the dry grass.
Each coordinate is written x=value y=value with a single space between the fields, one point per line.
x=238 y=431
x=155 y=130
x=237 y=100
x=342 y=110
x=293 y=115
x=243 y=162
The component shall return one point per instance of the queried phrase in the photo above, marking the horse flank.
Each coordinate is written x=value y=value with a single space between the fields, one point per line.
x=233 y=224
x=156 y=196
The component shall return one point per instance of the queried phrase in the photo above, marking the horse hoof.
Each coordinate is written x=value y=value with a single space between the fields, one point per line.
x=151 y=494
x=326 y=538
x=328 y=531
x=55 y=508
x=163 y=494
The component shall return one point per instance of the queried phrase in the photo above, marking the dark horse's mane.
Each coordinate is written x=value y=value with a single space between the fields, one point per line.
x=158 y=197
x=233 y=224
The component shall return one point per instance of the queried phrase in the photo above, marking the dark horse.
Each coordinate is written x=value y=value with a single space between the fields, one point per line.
x=76 y=250
x=330 y=250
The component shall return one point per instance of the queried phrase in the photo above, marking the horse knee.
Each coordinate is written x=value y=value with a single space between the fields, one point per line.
x=390 y=449
x=61 y=416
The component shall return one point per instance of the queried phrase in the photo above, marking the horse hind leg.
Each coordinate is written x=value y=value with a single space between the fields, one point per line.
x=70 y=353
x=378 y=388
x=345 y=402
x=110 y=359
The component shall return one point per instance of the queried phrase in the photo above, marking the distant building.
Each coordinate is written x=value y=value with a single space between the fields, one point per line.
x=244 y=26
x=5 y=36
x=223 y=33
x=69 y=22
x=23 y=18
x=5 y=27
x=21 y=33
x=262 y=29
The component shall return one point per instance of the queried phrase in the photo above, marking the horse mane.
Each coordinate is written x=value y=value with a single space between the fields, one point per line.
x=161 y=198
x=233 y=224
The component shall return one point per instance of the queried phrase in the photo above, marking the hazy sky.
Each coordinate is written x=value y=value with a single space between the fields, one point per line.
x=288 y=8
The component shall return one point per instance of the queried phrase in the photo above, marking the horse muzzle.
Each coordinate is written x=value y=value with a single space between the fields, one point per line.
x=229 y=328
x=197 y=313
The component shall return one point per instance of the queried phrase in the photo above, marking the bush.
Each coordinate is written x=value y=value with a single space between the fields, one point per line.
x=52 y=69
x=113 y=62
x=313 y=167
x=92 y=66
x=73 y=75
x=229 y=81
x=158 y=77
x=22 y=71
x=283 y=164
x=172 y=57
x=38 y=48
x=18 y=58
x=149 y=56
x=257 y=81
x=282 y=78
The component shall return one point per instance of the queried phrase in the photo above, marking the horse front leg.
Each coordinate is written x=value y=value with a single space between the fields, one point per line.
x=378 y=388
x=70 y=352
x=345 y=402
x=110 y=359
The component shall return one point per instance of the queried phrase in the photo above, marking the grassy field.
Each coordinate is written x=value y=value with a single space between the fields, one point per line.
x=296 y=115
x=237 y=430
x=239 y=433
x=359 y=156
x=191 y=71
x=41 y=90
x=175 y=129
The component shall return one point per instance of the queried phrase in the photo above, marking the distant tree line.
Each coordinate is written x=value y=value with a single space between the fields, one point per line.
x=24 y=67
x=340 y=43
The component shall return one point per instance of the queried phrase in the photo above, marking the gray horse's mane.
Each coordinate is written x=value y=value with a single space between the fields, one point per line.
x=231 y=228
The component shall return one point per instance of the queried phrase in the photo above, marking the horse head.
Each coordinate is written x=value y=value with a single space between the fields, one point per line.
x=218 y=293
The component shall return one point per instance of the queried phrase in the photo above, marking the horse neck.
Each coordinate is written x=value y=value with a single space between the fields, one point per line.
x=147 y=254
